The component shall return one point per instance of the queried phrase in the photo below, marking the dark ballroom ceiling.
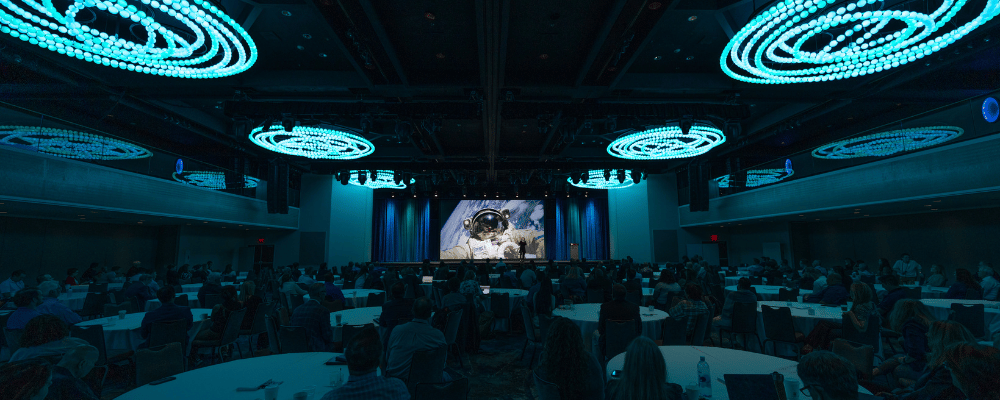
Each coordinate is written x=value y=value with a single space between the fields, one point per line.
x=491 y=88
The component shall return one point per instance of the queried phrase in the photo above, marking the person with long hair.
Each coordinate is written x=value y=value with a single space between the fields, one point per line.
x=912 y=319
x=974 y=369
x=665 y=288
x=965 y=287
x=573 y=286
x=936 y=382
x=25 y=380
x=248 y=296
x=644 y=375
x=44 y=336
x=862 y=309
x=565 y=363
x=542 y=301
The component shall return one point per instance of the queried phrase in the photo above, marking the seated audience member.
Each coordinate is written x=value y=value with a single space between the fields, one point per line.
x=633 y=284
x=363 y=355
x=598 y=281
x=543 y=300
x=565 y=363
x=168 y=311
x=212 y=285
x=363 y=280
x=964 y=288
x=25 y=380
x=894 y=293
x=692 y=306
x=395 y=309
x=573 y=286
x=934 y=381
x=908 y=270
x=833 y=293
x=333 y=292
x=912 y=319
x=13 y=284
x=71 y=275
x=220 y=317
x=821 y=281
x=528 y=277
x=172 y=277
x=861 y=311
x=228 y=272
x=315 y=319
x=817 y=265
x=442 y=272
x=936 y=279
x=974 y=369
x=416 y=335
x=289 y=286
x=644 y=375
x=756 y=269
x=617 y=310
x=743 y=294
x=827 y=376
x=26 y=300
x=67 y=383
x=306 y=278
x=89 y=275
x=412 y=282
x=988 y=283
x=141 y=290
x=470 y=285
x=51 y=304
x=453 y=301
x=45 y=336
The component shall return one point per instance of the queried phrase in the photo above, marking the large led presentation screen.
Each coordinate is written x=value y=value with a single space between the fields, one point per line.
x=493 y=229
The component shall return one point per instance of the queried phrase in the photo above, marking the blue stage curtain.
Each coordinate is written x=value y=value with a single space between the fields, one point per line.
x=401 y=229
x=582 y=221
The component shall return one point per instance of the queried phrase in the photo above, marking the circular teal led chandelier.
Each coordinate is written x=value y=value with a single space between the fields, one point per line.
x=379 y=179
x=758 y=177
x=857 y=38
x=312 y=142
x=212 y=180
x=887 y=143
x=667 y=142
x=212 y=46
x=596 y=180
x=70 y=144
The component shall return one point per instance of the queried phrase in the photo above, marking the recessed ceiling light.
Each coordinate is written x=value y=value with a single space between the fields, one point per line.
x=307 y=36
x=300 y=47
x=544 y=56
x=693 y=18
x=286 y=13
x=440 y=56
x=657 y=58
x=689 y=58
x=430 y=16
x=322 y=55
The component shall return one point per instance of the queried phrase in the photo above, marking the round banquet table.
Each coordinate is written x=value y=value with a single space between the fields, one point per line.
x=116 y=286
x=682 y=364
x=516 y=297
x=195 y=287
x=296 y=371
x=356 y=297
x=800 y=317
x=429 y=287
x=354 y=316
x=941 y=307
x=926 y=292
x=587 y=315
x=192 y=301
x=80 y=288
x=73 y=300
x=768 y=293
x=125 y=335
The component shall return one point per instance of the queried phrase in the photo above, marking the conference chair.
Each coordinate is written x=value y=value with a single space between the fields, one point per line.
x=375 y=300
x=618 y=334
x=870 y=336
x=913 y=292
x=634 y=297
x=258 y=325
x=294 y=301
x=500 y=306
x=161 y=333
x=744 y=322
x=972 y=316
x=97 y=288
x=229 y=335
x=112 y=310
x=595 y=296
x=293 y=339
x=271 y=323
x=454 y=390
x=157 y=363
x=451 y=334
x=426 y=366
x=347 y=332
x=780 y=328
x=531 y=335
x=788 y=295
x=93 y=305
x=211 y=300
x=674 y=331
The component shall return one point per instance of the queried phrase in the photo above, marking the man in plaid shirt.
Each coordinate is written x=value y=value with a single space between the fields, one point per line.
x=363 y=354
x=693 y=307
x=315 y=319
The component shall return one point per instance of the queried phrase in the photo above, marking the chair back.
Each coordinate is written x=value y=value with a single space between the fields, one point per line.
x=454 y=390
x=303 y=286
x=634 y=297
x=862 y=356
x=294 y=301
x=375 y=300
x=437 y=297
x=871 y=336
x=97 y=288
x=260 y=314
x=233 y=324
x=788 y=295
x=744 y=318
x=529 y=330
x=544 y=321
x=211 y=300
x=618 y=334
x=112 y=309
x=972 y=316
x=701 y=329
x=913 y=292
x=182 y=300
x=137 y=304
x=158 y=362
x=778 y=323
x=293 y=339
x=13 y=337
x=93 y=304
x=451 y=329
x=116 y=296
x=775 y=281
x=271 y=323
x=500 y=305
x=426 y=366
x=972 y=294
x=675 y=331
x=595 y=296
x=546 y=390
x=161 y=333
x=94 y=335
x=347 y=332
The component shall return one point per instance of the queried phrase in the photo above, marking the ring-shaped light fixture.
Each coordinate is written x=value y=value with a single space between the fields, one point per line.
x=595 y=180
x=211 y=45
x=70 y=144
x=858 y=38
x=887 y=143
x=723 y=181
x=667 y=142
x=991 y=110
x=212 y=180
x=383 y=179
x=759 y=177
x=312 y=142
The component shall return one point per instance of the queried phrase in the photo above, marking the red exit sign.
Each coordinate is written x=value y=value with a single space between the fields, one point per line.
x=261 y=240
x=714 y=238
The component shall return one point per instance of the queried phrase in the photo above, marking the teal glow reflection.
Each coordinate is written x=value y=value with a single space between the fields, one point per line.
x=213 y=180
x=887 y=143
x=70 y=144
x=595 y=180
x=312 y=142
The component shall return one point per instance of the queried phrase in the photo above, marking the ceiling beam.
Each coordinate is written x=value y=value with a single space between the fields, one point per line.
x=602 y=37
x=383 y=38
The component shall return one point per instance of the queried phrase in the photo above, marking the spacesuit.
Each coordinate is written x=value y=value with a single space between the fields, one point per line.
x=490 y=237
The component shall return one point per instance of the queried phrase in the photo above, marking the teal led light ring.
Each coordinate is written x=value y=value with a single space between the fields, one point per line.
x=667 y=142
x=595 y=180
x=211 y=45
x=213 y=180
x=312 y=142
x=383 y=179
x=887 y=143
x=863 y=39
x=70 y=144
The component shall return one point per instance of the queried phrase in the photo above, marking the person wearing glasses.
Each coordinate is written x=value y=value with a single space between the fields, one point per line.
x=827 y=376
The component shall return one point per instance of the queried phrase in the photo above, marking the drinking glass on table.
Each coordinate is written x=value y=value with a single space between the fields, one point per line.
x=121 y=314
x=339 y=318
x=337 y=378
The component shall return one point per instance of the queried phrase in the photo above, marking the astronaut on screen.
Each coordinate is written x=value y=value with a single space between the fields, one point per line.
x=491 y=237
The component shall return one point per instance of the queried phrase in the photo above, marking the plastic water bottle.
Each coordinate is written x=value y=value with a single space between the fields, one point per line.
x=704 y=379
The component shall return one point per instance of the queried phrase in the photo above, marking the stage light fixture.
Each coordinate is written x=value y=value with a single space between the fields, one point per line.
x=607 y=174
x=584 y=177
x=70 y=144
x=211 y=44
x=397 y=177
x=991 y=110
x=288 y=123
x=574 y=179
x=667 y=142
x=888 y=143
x=212 y=180
x=596 y=180
x=312 y=142
x=769 y=49
x=685 y=125
x=636 y=176
x=621 y=176
x=378 y=179
x=344 y=177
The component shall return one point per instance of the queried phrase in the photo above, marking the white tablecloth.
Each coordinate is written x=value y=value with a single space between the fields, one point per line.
x=125 y=335
x=116 y=286
x=587 y=315
x=768 y=293
x=355 y=316
x=941 y=307
x=927 y=292
x=356 y=298
x=195 y=287
x=296 y=370
x=192 y=301
x=73 y=300
x=682 y=366
x=516 y=297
